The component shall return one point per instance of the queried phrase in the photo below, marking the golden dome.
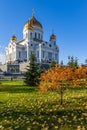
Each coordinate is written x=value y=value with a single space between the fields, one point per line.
x=52 y=37
x=28 y=26
x=13 y=38
x=32 y=22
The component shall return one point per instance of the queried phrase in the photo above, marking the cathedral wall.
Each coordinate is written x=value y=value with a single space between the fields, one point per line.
x=23 y=66
x=21 y=54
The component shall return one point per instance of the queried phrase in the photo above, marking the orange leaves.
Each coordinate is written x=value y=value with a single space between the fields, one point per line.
x=59 y=76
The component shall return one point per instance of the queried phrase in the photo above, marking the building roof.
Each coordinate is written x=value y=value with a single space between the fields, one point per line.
x=32 y=22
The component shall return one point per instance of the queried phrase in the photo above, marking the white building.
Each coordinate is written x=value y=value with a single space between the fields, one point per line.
x=32 y=42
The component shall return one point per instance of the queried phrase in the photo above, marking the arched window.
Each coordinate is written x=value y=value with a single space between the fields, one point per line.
x=41 y=37
x=54 y=43
x=30 y=35
x=19 y=54
x=35 y=35
x=38 y=35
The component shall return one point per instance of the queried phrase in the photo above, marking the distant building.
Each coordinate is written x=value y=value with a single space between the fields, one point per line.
x=32 y=43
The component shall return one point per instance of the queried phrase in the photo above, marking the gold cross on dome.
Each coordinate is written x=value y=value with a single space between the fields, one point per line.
x=33 y=12
x=52 y=31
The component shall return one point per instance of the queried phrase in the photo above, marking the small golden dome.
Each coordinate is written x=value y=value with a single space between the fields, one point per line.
x=52 y=37
x=13 y=38
x=32 y=22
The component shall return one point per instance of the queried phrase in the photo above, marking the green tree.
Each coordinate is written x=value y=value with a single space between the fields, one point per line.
x=61 y=63
x=86 y=62
x=32 y=74
x=52 y=64
x=40 y=69
x=72 y=62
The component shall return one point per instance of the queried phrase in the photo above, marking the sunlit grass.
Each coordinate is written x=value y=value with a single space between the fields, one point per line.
x=25 y=108
x=14 y=82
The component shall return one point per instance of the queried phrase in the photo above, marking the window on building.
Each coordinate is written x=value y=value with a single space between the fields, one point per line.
x=50 y=55
x=19 y=54
x=54 y=43
x=38 y=35
x=50 y=45
x=25 y=54
x=56 y=56
x=43 y=54
x=30 y=35
x=41 y=37
x=35 y=35
x=31 y=52
x=10 y=58
x=37 y=54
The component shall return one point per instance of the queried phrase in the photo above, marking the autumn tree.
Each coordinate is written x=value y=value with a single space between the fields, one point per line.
x=62 y=77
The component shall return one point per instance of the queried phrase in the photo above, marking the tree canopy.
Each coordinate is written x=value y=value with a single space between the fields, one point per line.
x=59 y=76
x=72 y=62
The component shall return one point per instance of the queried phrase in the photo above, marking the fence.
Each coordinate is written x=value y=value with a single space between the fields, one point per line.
x=7 y=78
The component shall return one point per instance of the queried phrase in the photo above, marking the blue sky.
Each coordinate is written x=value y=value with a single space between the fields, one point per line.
x=68 y=19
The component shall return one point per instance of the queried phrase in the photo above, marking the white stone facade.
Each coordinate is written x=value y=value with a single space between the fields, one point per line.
x=20 y=51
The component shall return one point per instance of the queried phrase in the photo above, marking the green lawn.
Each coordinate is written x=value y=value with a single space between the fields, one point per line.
x=25 y=108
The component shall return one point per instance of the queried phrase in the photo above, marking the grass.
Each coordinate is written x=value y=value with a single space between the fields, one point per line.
x=24 y=108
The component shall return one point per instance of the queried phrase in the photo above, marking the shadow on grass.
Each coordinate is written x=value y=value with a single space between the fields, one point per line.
x=18 y=88
x=59 y=119
x=1 y=102
x=80 y=99
x=78 y=88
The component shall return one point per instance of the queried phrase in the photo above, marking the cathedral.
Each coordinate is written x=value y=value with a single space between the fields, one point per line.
x=32 y=43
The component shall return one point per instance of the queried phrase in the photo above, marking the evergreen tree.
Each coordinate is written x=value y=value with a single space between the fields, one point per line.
x=52 y=64
x=73 y=62
x=32 y=74
x=40 y=69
